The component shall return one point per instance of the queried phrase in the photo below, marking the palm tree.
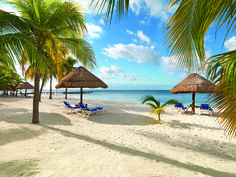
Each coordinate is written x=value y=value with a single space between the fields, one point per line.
x=5 y=79
x=9 y=79
x=44 y=23
x=157 y=108
x=69 y=65
x=5 y=59
x=185 y=35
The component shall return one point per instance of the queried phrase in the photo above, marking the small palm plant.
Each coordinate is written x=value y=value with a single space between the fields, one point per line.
x=157 y=107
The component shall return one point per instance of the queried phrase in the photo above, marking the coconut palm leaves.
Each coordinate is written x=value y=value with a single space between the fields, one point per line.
x=69 y=65
x=222 y=70
x=8 y=78
x=44 y=26
x=121 y=7
x=185 y=35
x=157 y=108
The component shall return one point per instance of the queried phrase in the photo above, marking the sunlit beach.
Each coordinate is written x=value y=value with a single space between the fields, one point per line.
x=125 y=140
x=117 y=88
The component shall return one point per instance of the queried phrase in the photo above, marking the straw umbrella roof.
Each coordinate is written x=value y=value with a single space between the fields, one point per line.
x=194 y=83
x=81 y=78
x=25 y=85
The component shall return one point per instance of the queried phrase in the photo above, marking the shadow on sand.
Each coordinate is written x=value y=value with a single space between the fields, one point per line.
x=201 y=145
x=22 y=116
x=148 y=155
x=19 y=134
x=120 y=117
x=18 y=168
x=181 y=125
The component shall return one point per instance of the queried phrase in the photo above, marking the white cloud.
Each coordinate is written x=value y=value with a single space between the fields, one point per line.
x=146 y=21
x=115 y=72
x=154 y=7
x=140 y=35
x=136 y=5
x=231 y=43
x=133 y=52
x=101 y=21
x=170 y=66
x=129 y=32
x=143 y=37
x=135 y=40
x=94 y=31
x=208 y=38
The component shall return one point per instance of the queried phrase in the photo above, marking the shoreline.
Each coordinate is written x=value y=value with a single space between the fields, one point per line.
x=125 y=140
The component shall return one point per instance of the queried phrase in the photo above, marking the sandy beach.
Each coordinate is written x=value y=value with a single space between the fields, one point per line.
x=124 y=141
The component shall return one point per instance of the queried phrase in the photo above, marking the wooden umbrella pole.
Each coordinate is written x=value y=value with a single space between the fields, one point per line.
x=66 y=94
x=25 y=92
x=81 y=95
x=193 y=103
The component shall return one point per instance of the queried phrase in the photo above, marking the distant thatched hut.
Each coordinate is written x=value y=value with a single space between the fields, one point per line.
x=194 y=83
x=80 y=78
x=25 y=85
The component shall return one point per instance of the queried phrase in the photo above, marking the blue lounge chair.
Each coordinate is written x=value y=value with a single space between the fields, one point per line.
x=68 y=107
x=180 y=107
x=88 y=111
x=205 y=108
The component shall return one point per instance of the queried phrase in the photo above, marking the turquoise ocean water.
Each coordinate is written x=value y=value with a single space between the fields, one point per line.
x=135 y=96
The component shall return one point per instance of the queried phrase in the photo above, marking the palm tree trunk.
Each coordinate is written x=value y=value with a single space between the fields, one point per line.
x=50 y=94
x=41 y=89
x=66 y=94
x=35 y=118
x=159 y=116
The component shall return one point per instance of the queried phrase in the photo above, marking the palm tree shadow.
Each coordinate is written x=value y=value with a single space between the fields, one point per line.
x=148 y=155
x=119 y=117
x=17 y=168
x=206 y=146
x=178 y=124
x=11 y=135
x=22 y=116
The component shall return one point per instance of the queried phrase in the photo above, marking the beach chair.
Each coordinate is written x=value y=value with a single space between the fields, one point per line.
x=69 y=108
x=180 y=107
x=88 y=111
x=205 y=108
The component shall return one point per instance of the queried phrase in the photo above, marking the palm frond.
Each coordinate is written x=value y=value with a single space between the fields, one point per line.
x=170 y=102
x=67 y=18
x=158 y=111
x=120 y=6
x=152 y=106
x=222 y=71
x=81 y=49
x=186 y=30
x=149 y=98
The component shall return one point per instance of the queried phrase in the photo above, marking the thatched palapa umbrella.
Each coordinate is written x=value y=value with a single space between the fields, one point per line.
x=80 y=78
x=25 y=85
x=194 y=83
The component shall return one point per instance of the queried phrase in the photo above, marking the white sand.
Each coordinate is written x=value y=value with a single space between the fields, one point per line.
x=124 y=141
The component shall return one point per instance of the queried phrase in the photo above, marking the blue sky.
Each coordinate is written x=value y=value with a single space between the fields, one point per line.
x=131 y=54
